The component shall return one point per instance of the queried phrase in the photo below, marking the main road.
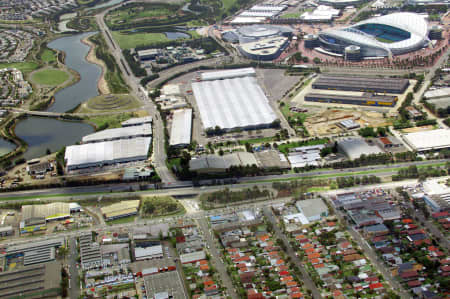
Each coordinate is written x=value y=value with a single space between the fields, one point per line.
x=159 y=149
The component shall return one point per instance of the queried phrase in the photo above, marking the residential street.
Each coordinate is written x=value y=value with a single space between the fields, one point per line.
x=216 y=258
x=74 y=289
x=309 y=284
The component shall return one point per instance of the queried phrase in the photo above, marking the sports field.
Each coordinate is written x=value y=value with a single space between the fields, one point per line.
x=128 y=41
x=52 y=77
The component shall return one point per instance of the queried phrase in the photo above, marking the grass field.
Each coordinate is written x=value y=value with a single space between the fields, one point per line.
x=51 y=77
x=112 y=102
x=128 y=41
x=24 y=67
x=292 y=15
x=110 y=121
x=48 y=56
x=121 y=220
x=132 y=14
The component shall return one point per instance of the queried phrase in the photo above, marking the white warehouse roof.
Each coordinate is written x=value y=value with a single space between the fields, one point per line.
x=437 y=93
x=137 y=121
x=180 y=133
x=233 y=103
x=428 y=140
x=144 y=130
x=228 y=74
x=109 y=152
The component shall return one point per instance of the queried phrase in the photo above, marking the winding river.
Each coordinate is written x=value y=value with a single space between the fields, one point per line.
x=42 y=133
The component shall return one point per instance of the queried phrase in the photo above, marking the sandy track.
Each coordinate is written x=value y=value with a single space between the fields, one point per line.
x=102 y=85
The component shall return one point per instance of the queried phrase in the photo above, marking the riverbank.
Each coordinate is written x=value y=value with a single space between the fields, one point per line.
x=102 y=85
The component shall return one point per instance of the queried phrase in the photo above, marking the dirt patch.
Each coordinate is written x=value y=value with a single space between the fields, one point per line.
x=102 y=85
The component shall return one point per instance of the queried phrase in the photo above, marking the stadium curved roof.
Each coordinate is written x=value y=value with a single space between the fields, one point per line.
x=412 y=23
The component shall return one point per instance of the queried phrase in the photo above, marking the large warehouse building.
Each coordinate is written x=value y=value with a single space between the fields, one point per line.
x=351 y=83
x=236 y=103
x=383 y=36
x=364 y=100
x=106 y=153
x=144 y=130
x=180 y=133
x=428 y=140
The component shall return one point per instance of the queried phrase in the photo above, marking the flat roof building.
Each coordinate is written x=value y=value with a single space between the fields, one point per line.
x=164 y=285
x=228 y=74
x=137 y=121
x=351 y=83
x=428 y=140
x=264 y=49
x=148 y=54
x=107 y=153
x=313 y=209
x=237 y=103
x=437 y=93
x=148 y=253
x=48 y=212
x=180 y=133
x=128 y=132
x=365 y=100
x=121 y=209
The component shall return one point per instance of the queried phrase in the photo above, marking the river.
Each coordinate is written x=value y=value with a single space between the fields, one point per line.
x=42 y=133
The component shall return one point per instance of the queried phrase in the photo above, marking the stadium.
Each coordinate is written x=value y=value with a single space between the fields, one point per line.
x=383 y=36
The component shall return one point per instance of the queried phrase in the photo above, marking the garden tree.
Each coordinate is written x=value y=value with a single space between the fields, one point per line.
x=298 y=56
x=317 y=60
x=221 y=152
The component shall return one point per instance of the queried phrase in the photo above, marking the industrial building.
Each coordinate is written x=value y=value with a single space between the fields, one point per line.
x=45 y=212
x=148 y=253
x=264 y=49
x=107 y=153
x=258 y=14
x=428 y=140
x=341 y=3
x=144 y=130
x=313 y=209
x=37 y=281
x=137 y=121
x=437 y=93
x=90 y=253
x=219 y=164
x=353 y=148
x=36 y=252
x=305 y=156
x=237 y=103
x=351 y=83
x=228 y=74
x=164 y=285
x=181 y=130
x=121 y=209
x=365 y=100
x=148 y=54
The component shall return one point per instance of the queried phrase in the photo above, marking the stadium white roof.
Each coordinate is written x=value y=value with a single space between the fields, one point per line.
x=228 y=74
x=137 y=121
x=233 y=103
x=144 y=130
x=413 y=23
x=109 y=152
x=266 y=14
x=247 y=20
x=428 y=140
x=180 y=133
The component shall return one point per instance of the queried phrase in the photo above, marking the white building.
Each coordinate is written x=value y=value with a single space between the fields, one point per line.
x=148 y=253
x=180 y=133
x=144 y=130
x=428 y=140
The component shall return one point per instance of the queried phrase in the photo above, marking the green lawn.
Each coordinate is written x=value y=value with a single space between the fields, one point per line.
x=292 y=15
x=24 y=67
x=48 y=56
x=51 y=77
x=257 y=140
x=112 y=102
x=128 y=41
x=131 y=14
x=109 y=121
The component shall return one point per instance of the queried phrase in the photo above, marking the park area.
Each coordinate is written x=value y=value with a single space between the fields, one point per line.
x=50 y=77
x=110 y=102
x=133 y=40
x=160 y=206
x=24 y=67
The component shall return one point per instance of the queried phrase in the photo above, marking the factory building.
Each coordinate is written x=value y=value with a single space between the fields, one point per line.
x=348 y=83
x=228 y=74
x=365 y=100
x=180 y=133
x=121 y=209
x=137 y=121
x=107 y=153
x=428 y=140
x=143 y=130
x=148 y=54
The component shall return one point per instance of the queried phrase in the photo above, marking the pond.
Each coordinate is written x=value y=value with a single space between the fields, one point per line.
x=176 y=35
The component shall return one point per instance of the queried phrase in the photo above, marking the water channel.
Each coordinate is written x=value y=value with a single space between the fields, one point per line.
x=45 y=133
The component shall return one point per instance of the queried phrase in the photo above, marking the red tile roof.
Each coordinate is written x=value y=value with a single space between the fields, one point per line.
x=376 y=286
